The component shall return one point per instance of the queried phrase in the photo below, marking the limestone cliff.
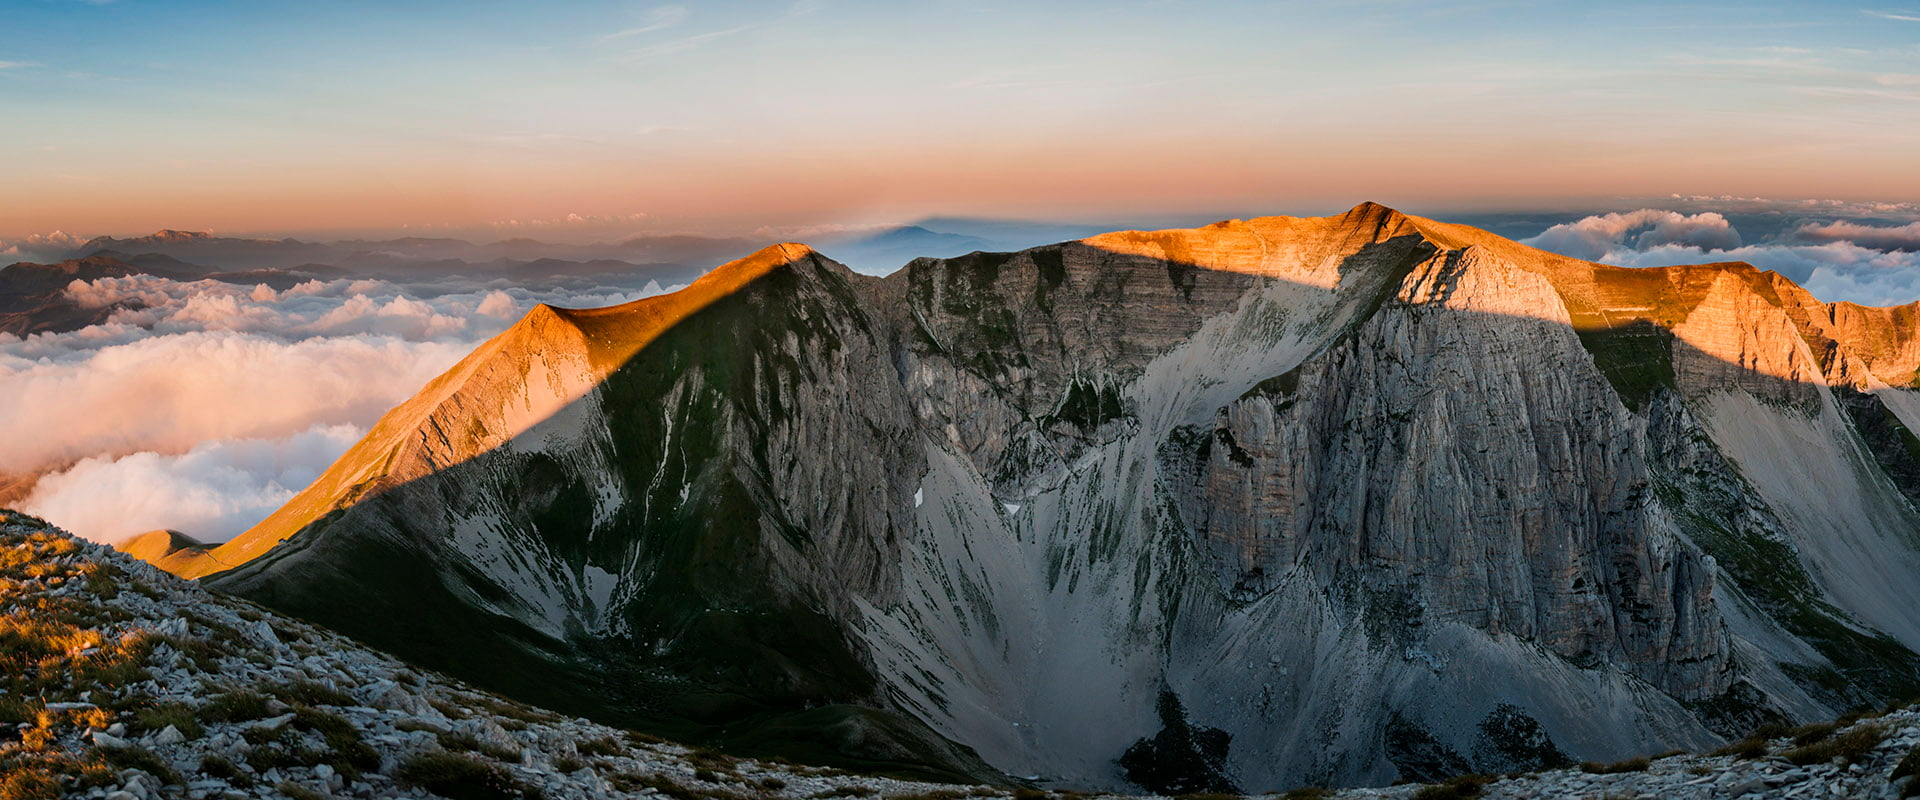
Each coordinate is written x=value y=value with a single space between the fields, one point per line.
x=1269 y=502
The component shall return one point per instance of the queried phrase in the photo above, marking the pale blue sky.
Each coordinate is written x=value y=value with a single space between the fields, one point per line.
x=129 y=115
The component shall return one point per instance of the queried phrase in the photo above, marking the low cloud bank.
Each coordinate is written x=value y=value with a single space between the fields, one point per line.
x=202 y=406
x=1874 y=265
x=1878 y=237
x=1832 y=272
x=326 y=308
x=214 y=491
x=166 y=394
x=1593 y=237
x=41 y=245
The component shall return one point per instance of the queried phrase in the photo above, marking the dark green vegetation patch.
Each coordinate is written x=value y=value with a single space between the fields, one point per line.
x=1636 y=358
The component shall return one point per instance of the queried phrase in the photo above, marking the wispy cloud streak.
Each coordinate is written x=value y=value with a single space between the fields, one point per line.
x=658 y=19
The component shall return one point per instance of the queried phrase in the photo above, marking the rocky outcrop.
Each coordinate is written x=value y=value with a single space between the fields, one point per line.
x=189 y=693
x=1279 y=501
x=175 y=691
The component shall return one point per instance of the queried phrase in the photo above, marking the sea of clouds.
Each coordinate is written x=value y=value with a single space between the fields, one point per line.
x=212 y=404
x=1871 y=263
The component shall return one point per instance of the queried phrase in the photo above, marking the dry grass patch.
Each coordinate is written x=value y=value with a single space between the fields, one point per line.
x=458 y=776
x=1457 y=788
x=1850 y=747
x=1639 y=764
x=849 y=790
x=157 y=718
x=599 y=746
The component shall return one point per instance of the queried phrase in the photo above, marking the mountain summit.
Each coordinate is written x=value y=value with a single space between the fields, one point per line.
x=1279 y=501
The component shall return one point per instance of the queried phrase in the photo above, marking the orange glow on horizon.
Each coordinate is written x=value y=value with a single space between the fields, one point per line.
x=1101 y=178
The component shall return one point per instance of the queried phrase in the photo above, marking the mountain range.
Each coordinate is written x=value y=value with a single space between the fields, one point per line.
x=1283 y=501
x=33 y=300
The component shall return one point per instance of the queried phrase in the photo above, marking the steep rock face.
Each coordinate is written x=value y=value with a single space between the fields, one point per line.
x=1401 y=459
x=1277 y=501
x=1045 y=586
x=633 y=498
x=1297 y=524
x=1735 y=339
x=1021 y=359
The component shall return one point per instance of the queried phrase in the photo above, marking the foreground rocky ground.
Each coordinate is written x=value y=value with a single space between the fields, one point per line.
x=121 y=682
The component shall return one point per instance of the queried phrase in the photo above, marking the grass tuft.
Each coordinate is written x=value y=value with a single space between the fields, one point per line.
x=1457 y=788
x=1639 y=764
x=1749 y=748
x=311 y=693
x=849 y=790
x=179 y=715
x=602 y=746
x=1850 y=747
x=298 y=792
x=458 y=776
x=219 y=766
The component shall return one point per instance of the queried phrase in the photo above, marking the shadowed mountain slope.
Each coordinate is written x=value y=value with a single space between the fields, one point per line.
x=1269 y=502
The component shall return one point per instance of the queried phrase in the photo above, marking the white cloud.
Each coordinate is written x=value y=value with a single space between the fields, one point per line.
x=683 y=44
x=1868 y=288
x=167 y=394
x=1826 y=206
x=1879 y=237
x=202 y=406
x=1832 y=272
x=1836 y=260
x=43 y=245
x=325 y=308
x=498 y=304
x=659 y=18
x=1594 y=236
x=214 y=491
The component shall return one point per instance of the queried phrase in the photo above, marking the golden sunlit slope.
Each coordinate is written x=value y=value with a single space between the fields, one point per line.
x=550 y=358
x=1739 y=325
x=1599 y=297
x=615 y=333
x=170 y=550
x=1308 y=249
x=1602 y=297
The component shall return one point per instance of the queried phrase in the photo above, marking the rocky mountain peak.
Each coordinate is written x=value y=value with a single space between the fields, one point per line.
x=165 y=236
x=170 y=235
x=617 y=332
x=1340 y=499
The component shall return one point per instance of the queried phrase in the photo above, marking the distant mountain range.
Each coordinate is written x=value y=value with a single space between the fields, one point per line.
x=881 y=250
x=1284 y=501
x=413 y=256
x=31 y=298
